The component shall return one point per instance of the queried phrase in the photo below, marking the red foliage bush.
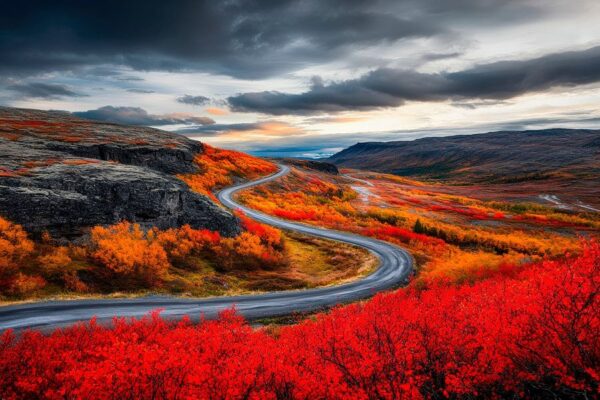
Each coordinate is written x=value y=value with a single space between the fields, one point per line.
x=471 y=213
x=268 y=235
x=402 y=234
x=295 y=215
x=259 y=246
x=218 y=168
x=531 y=335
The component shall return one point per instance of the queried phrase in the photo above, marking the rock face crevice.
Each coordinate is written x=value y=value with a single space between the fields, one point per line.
x=64 y=175
x=171 y=161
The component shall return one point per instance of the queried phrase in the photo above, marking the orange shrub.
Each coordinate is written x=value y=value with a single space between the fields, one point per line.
x=245 y=244
x=57 y=259
x=247 y=251
x=458 y=267
x=14 y=247
x=129 y=256
x=126 y=251
x=267 y=234
x=180 y=243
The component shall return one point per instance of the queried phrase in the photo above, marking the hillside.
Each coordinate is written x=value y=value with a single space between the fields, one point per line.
x=565 y=160
x=96 y=209
x=314 y=165
x=63 y=174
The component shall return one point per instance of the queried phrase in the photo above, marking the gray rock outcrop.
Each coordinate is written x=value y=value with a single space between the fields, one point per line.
x=64 y=175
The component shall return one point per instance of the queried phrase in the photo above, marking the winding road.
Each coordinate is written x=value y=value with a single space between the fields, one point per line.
x=395 y=267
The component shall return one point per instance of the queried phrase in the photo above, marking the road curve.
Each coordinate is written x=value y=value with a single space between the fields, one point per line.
x=395 y=267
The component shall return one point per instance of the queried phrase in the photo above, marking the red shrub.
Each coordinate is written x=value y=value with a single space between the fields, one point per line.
x=402 y=234
x=531 y=335
x=268 y=235
x=294 y=214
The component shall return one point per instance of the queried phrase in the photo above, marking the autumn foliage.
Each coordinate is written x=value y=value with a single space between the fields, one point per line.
x=14 y=247
x=453 y=238
x=259 y=246
x=218 y=168
x=126 y=250
x=533 y=334
x=125 y=256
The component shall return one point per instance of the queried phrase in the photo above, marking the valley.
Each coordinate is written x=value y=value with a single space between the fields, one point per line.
x=454 y=238
x=365 y=260
x=300 y=200
x=99 y=210
x=508 y=165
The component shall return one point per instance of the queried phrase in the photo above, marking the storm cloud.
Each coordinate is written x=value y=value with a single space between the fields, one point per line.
x=217 y=129
x=246 y=39
x=387 y=87
x=141 y=91
x=193 y=100
x=231 y=60
x=43 y=90
x=139 y=116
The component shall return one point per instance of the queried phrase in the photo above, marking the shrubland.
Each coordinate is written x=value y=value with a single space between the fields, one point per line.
x=526 y=333
x=454 y=238
x=127 y=259
x=219 y=168
x=505 y=304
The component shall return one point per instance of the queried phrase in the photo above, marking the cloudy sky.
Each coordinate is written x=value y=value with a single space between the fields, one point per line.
x=307 y=78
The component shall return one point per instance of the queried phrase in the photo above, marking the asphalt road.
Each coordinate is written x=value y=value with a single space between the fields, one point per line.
x=394 y=269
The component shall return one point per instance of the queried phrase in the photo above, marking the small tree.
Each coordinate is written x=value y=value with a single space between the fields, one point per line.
x=419 y=227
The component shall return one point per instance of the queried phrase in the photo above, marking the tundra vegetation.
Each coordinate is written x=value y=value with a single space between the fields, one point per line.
x=529 y=332
x=125 y=259
x=505 y=302
x=454 y=238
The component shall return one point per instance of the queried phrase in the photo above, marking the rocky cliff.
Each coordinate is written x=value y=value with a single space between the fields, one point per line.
x=64 y=174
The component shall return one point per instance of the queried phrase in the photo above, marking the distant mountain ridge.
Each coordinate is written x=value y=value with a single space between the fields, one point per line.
x=495 y=157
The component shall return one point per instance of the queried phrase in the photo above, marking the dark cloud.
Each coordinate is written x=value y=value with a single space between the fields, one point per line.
x=193 y=100
x=140 y=91
x=139 y=116
x=240 y=38
x=218 y=129
x=472 y=105
x=326 y=144
x=43 y=90
x=387 y=87
x=440 y=56
x=129 y=78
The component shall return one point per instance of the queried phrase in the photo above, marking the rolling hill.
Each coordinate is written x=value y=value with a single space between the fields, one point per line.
x=564 y=161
